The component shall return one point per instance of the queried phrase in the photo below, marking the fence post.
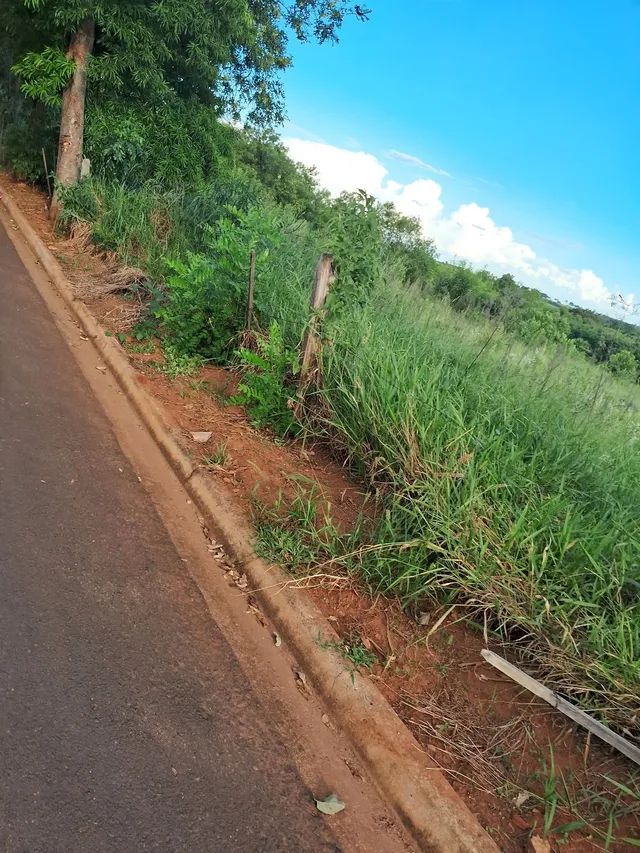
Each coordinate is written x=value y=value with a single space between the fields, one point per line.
x=311 y=343
x=252 y=279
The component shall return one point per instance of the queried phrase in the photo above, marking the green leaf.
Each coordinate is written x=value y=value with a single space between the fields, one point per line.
x=566 y=828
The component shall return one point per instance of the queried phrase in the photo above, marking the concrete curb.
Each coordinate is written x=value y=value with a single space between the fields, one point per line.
x=431 y=810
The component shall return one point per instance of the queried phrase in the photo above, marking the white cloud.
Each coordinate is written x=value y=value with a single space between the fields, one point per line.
x=339 y=169
x=468 y=233
x=420 y=198
x=474 y=236
x=412 y=160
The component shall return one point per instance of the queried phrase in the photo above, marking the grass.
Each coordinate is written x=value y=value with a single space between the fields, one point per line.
x=353 y=650
x=219 y=458
x=507 y=476
x=598 y=808
x=510 y=478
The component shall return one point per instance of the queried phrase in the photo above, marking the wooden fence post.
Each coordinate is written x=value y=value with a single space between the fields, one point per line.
x=311 y=343
x=252 y=279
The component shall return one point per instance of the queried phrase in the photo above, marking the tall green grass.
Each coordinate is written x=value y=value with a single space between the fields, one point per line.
x=518 y=472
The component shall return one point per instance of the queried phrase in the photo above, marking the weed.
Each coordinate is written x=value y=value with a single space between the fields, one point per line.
x=147 y=347
x=179 y=365
x=219 y=458
x=297 y=536
x=353 y=650
x=265 y=385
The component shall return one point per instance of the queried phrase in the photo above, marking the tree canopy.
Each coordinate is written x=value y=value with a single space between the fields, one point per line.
x=226 y=54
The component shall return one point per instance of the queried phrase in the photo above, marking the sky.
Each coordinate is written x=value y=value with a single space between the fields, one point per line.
x=510 y=128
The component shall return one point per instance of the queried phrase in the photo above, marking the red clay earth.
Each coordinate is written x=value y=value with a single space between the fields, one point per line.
x=494 y=741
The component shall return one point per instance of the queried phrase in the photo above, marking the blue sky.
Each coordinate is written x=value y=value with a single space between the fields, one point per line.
x=530 y=107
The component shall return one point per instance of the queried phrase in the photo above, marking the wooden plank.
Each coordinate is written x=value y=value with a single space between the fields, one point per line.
x=580 y=717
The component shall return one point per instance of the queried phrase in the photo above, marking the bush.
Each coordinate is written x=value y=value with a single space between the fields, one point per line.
x=206 y=294
x=266 y=383
x=79 y=203
x=175 y=143
x=623 y=364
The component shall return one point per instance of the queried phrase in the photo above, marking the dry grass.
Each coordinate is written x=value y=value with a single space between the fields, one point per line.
x=485 y=750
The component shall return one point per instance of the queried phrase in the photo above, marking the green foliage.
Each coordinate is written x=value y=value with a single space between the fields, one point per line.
x=206 y=294
x=539 y=326
x=356 y=241
x=467 y=289
x=266 y=388
x=79 y=202
x=623 y=364
x=226 y=55
x=44 y=74
x=295 y=534
x=352 y=649
x=178 y=364
x=287 y=183
x=511 y=476
x=136 y=142
x=412 y=255
x=189 y=312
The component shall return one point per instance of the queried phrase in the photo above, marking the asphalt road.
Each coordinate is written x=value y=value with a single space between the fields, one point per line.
x=125 y=722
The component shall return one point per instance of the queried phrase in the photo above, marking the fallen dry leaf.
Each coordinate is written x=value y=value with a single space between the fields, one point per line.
x=301 y=682
x=539 y=845
x=521 y=799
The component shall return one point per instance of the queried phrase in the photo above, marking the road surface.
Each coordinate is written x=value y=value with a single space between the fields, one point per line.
x=125 y=722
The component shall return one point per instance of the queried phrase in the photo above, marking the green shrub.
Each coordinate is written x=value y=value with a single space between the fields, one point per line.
x=355 y=239
x=206 y=293
x=266 y=386
x=623 y=364
x=79 y=203
x=174 y=142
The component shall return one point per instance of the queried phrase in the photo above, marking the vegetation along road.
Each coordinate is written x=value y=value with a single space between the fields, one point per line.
x=494 y=431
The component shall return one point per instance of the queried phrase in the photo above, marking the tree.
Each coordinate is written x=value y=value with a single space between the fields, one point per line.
x=226 y=54
x=405 y=243
x=623 y=364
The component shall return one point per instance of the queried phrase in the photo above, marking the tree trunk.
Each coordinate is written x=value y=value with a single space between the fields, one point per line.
x=72 y=118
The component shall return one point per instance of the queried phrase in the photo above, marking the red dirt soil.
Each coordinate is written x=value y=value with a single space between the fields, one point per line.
x=495 y=742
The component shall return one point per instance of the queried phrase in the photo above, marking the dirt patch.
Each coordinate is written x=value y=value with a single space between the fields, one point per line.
x=245 y=459
x=519 y=765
